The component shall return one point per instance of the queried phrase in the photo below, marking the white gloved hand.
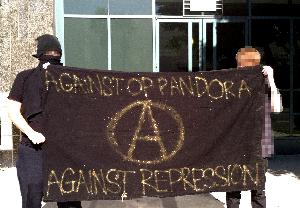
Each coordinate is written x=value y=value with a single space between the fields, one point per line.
x=36 y=137
x=268 y=71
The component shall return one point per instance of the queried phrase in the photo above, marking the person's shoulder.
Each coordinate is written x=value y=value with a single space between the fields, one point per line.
x=24 y=73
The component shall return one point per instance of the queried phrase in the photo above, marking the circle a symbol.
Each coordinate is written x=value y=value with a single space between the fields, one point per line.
x=153 y=136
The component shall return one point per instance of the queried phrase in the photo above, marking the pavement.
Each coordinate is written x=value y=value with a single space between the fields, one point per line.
x=282 y=191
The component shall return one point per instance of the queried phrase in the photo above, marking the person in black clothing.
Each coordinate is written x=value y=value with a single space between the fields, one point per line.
x=25 y=108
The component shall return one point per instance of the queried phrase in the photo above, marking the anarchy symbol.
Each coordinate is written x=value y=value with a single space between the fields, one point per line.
x=146 y=116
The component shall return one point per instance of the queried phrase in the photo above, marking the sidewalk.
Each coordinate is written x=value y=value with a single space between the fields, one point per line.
x=194 y=201
x=282 y=191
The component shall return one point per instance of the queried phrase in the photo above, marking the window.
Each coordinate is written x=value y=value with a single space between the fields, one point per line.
x=235 y=8
x=271 y=37
x=128 y=47
x=131 y=43
x=130 y=7
x=296 y=75
x=170 y=8
x=86 y=42
x=93 y=7
x=271 y=8
x=173 y=47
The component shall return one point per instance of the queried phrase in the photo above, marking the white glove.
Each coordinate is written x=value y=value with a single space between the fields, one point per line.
x=268 y=71
x=36 y=137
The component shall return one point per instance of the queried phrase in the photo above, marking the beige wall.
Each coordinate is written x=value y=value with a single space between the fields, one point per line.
x=21 y=21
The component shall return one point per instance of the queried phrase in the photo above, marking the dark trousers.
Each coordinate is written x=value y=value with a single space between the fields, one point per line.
x=29 y=171
x=258 y=199
x=30 y=176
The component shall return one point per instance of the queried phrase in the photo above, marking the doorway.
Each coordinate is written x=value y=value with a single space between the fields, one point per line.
x=184 y=45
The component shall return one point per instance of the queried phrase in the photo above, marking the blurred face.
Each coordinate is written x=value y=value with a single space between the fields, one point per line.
x=247 y=58
x=52 y=53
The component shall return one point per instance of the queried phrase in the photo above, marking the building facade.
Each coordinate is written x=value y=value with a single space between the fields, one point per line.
x=159 y=36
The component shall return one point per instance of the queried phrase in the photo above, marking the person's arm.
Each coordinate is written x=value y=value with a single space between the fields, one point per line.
x=14 y=112
x=276 y=101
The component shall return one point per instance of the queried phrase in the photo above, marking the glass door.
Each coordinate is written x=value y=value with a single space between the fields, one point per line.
x=173 y=45
x=221 y=40
x=178 y=45
x=198 y=44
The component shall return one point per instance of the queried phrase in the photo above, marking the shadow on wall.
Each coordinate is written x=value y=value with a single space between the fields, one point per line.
x=283 y=164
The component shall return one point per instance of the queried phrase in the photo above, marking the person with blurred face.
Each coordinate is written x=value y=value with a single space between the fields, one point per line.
x=245 y=58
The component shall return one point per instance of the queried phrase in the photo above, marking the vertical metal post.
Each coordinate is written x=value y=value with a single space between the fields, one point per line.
x=204 y=42
x=59 y=25
x=108 y=38
x=190 y=46
x=156 y=69
x=154 y=38
x=200 y=45
x=292 y=51
x=249 y=22
x=214 y=45
x=247 y=42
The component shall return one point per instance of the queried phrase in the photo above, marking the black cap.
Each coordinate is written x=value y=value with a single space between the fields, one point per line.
x=47 y=43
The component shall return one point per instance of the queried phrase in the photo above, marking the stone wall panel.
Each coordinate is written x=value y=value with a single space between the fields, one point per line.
x=21 y=22
x=5 y=64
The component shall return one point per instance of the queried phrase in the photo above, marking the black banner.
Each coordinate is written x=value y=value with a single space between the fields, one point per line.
x=117 y=135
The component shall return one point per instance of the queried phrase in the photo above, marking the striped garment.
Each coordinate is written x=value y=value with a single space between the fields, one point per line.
x=267 y=142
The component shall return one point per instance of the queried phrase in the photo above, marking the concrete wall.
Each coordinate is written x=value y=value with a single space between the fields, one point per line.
x=21 y=21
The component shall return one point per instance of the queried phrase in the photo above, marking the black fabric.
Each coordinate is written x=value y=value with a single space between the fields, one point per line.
x=33 y=99
x=55 y=60
x=32 y=93
x=47 y=43
x=117 y=135
x=16 y=92
x=69 y=204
